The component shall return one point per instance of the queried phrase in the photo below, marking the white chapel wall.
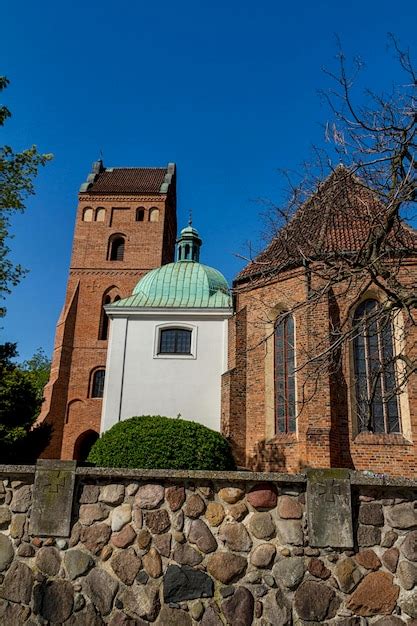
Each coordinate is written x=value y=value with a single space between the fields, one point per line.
x=139 y=382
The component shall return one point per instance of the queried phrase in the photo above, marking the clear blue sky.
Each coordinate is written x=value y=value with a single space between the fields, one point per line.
x=226 y=89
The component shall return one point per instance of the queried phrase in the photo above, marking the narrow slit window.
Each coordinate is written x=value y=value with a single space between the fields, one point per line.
x=104 y=320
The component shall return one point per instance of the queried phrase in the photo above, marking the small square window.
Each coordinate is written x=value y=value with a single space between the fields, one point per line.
x=175 y=341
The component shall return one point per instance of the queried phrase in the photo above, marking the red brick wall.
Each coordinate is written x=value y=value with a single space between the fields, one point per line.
x=78 y=349
x=325 y=435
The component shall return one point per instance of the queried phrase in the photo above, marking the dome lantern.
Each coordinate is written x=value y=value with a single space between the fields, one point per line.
x=189 y=244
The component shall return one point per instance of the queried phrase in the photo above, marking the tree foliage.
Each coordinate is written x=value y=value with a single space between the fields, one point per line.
x=17 y=172
x=20 y=403
x=156 y=442
x=37 y=370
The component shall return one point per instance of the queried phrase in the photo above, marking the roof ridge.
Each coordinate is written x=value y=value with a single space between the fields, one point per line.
x=136 y=167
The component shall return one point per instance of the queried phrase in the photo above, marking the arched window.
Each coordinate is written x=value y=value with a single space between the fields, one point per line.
x=140 y=214
x=154 y=215
x=97 y=384
x=88 y=214
x=187 y=251
x=100 y=214
x=117 y=249
x=377 y=405
x=284 y=374
x=175 y=341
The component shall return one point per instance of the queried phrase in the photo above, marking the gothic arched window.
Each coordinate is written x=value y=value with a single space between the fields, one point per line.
x=284 y=374
x=117 y=249
x=97 y=384
x=377 y=403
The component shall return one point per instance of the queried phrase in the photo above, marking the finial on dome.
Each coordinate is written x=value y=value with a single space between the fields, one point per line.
x=190 y=219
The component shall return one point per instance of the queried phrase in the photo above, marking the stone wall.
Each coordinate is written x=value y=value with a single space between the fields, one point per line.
x=188 y=548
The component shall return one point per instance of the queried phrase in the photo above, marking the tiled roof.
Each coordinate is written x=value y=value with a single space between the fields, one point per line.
x=128 y=180
x=338 y=217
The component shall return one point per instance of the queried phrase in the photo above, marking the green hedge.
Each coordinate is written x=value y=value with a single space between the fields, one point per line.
x=156 y=442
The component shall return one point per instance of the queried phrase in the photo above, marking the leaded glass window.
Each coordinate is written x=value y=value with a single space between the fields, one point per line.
x=97 y=386
x=284 y=368
x=175 y=341
x=375 y=380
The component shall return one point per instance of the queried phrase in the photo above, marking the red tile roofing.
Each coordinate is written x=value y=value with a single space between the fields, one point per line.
x=128 y=180
x=338 y=217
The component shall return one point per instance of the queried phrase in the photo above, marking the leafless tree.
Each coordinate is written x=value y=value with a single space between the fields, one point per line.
x=349 y=234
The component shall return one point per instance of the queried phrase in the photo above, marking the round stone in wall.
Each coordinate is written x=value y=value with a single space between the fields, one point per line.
x=225 y=566
x=238 y=609
x=48 y=560
x=262 y=526
x=263 y=555
x=315 y=601
x=236 y=537
x=409 y=546
x=231 y=494
x=289 y=571
x=57 y=600
x=263 y=496
x=112 y=494
x=149 y=496
x=214 y=513
x=6 y=552
x=77 y=563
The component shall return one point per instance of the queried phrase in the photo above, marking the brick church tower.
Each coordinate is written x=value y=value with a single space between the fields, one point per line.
x=125 y=226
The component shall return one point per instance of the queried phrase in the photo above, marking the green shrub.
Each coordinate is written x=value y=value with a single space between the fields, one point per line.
x=156 y=442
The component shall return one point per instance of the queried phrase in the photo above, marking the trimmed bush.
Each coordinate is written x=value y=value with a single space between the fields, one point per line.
x=155 y=442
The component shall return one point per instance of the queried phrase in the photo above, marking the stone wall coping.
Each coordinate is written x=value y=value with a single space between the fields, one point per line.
x=362 y=479
x=357 y=479
x=6 y=471
x=238 y=476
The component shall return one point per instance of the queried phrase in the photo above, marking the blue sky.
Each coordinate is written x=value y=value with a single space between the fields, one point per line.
x=227 y=90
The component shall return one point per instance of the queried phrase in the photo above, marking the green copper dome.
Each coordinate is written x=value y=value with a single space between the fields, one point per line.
x=184 y=284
